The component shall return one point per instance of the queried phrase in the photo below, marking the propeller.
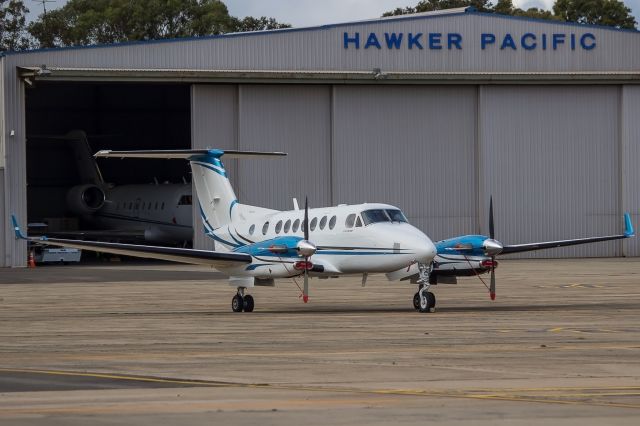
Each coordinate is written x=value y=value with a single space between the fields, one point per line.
x=492 y=247
x=306 y=249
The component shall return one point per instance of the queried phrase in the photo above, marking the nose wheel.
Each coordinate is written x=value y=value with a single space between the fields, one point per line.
x=242 y=302
x=424 y=301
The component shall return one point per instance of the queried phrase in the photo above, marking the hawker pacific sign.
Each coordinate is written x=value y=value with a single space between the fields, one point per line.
x=455 y=41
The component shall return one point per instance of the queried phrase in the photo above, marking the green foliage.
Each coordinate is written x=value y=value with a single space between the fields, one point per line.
x=258 y=24
x=600 y=12
x=86 y=22
x=13 y=35
x=431 y=5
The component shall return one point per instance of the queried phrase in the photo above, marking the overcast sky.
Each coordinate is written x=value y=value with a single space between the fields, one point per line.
x=302 y=13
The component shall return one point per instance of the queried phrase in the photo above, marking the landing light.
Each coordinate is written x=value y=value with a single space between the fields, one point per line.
x=489 y=264
x=303 y=265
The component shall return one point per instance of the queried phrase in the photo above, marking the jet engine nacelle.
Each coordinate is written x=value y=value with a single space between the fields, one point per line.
x=85 y=199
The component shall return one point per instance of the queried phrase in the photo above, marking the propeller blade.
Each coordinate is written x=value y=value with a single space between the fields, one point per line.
x=491 y=228
x=305 y=291
x=306 y=219
x=492 y=286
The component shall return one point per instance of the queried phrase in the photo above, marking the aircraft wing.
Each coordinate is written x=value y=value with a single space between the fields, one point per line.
x=518 y=248
x=174 y=254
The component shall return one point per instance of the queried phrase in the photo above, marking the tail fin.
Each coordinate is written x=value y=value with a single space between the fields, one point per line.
x=87 y=166
x=215 y=195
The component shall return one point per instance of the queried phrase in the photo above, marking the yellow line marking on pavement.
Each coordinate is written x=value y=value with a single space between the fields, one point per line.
x=508 y=394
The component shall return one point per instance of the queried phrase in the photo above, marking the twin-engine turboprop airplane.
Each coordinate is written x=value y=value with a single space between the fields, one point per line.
x=474 y=255
x=258 y=245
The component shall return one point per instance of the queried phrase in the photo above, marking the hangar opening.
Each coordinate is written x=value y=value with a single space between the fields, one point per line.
x=61 y=190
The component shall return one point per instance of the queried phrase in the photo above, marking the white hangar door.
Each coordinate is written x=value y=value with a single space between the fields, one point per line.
x=411 y=146
x=550 y=156
x=295 y=119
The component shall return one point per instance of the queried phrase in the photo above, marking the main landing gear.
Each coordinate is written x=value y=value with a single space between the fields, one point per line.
x=242 y=302
x=424 y=300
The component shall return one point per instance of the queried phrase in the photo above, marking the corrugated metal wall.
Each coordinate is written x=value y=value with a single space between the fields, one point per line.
x=214 y=124
x=630 y=156
x=293 y=119
x=408 y=146
x=550 y=155
x=550 y=158
x=322 y=48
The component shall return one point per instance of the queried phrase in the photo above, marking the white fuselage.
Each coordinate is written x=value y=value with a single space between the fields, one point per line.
x=346 y=243
x=162 y=212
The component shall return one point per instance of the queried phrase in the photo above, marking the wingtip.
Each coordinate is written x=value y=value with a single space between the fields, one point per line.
x=628 y=226
x=16 y=228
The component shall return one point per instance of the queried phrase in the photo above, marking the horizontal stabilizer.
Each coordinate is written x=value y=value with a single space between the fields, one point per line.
x=185 y=153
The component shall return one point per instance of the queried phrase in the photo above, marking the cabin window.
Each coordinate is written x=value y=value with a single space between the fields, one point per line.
x=144 y=204
x=130 y=205
x=149 y=207
x=156 y=205
x=118 y=206
x=358 y=222
x=162 y=206
x=265 y=228
x=287 y=226
x=185 y=200
x=312 y=225
x=332 y=222
x=251 y=229
x=351 y=220
x=396 y=216
x=296 y=225
x=323 y=222
x=278 y=227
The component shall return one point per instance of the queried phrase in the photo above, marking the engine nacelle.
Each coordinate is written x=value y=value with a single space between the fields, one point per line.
x=85 y=199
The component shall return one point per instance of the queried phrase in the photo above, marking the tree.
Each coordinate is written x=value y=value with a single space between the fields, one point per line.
x=431 y=5
x=86 y=22
x=13 y=34
x=250 y=23
x=598 y=12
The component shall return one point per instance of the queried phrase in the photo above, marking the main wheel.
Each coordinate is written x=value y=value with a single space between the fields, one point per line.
x=416 y=301
x=431 y=300
x=237 y=304
x=248 y=303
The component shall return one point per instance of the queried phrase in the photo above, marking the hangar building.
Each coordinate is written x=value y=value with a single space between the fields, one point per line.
x=432 y=112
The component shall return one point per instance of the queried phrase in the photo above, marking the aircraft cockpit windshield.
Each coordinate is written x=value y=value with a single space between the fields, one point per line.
x=382 y=215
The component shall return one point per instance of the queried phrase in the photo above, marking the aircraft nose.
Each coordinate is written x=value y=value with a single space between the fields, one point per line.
x=425 y=250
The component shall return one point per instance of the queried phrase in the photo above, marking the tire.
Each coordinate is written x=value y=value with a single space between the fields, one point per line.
x=416 y=301
x=431 y=303
x=237 y=304
x=248 y=303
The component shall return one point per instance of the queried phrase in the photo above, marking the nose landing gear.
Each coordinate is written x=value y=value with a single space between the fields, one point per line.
x=424 y=300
